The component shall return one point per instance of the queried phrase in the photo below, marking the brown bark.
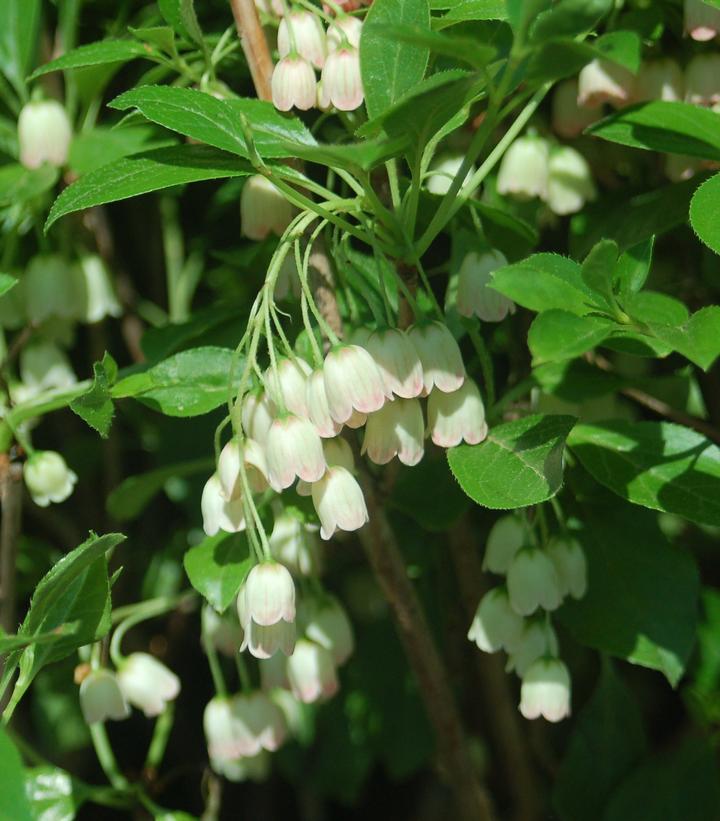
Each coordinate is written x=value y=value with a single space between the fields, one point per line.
x=254 y=45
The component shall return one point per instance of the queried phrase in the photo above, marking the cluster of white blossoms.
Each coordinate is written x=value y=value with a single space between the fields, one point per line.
x=515 y=615
x=305 y=47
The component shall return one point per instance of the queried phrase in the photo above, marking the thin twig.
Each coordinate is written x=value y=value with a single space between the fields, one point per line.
x=11 y=500
x=255 y=46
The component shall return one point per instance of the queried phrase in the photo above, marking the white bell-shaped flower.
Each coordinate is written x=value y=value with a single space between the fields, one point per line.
x=457 y=417
x=440 y=356
x=660 y=80
x=397 y=429
x=52 y=289
x=327 y=624
x=545 y=691
x=342 y=29
x=340 y=83
x=702 y=21
x=506 y=537
x=44 y=366
x=339 y=502
x=265 y=642
x=318 y=407
x=602 y=81
x=570 y=563
x=311 y=672
x=218 y=513
x=443 y=171
x=293 y=544
x=495 y=625
x=569 y=119
x=538 y=639
x=252 y=457
x=474 y=296
x=702 y=80
x=44 y=134
x=533 y=582
x=352 y=382
x=294 y=449
x=147 y=683
x=269 y=595
x=286 y=385
x=48 y=478
x=222 y=631
x=337 y=453
x=524 y=169
x=398 y=361
x=258 y=723
x=256 y=414
x=254 y=768
x=302 y=32
x=263 y=208
x=570 y=181
x=96 y=288
x=293 y=84
x=101 y=697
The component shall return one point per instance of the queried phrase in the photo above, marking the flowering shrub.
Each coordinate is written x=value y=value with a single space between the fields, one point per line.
x=360 y=409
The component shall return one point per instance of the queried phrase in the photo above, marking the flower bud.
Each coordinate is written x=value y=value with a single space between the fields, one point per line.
x=96 y=290
x=263 y=208
x=457 y=417
x=440 y=356
x=44 y=366
x=533 y=582
x=398 y=362
x=232 y=456
x=538 y=639
x=257 y=413
x=352 y=382
x=293 y=84
x=48 y=478
x=496 y=625
x=328 y=625
x=318 y=407
x=293 y=449
x=659 y=80
x=570 y=182
x=218 y=513
x=339 y=502
x=524 y=169
x=474 y=297
x=570 y=563
x=147 y=683
x=341 y=84
x=442 y=173
x=311 y=673
x=569 y=119
x=602 y=81
x=101 y=698
x=302 y=32
x=349 y=28
x=269 y=595
x=545 y=691
x=293 y=544
x=44 y=134
x=702 y=80
x=397 y=429
x=702 y=21
x=506 y=537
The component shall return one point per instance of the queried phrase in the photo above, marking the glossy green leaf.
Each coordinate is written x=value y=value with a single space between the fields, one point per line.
x=556 y=335
x=14 y=805
x=697 y=339
x=100 y=146
x=54 y=795
x=519 y=464
x=143 y=173
x=659 y=465
x=189 y=383
x=556 y=59
x=389 y=69
x=569 y=18
x=19 y=184
x=465 y=49
x=633 y=267
x=19 y=29
x=97 y=54
x=522 y=14
x=705 y=212
x=472 y=9
x=95 y=406
x=670 y=127
x=598 y=269
x=180 y=14
x=9 y=642
x=218 y=566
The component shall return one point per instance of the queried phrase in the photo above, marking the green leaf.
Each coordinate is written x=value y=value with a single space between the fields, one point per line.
x=6 y=283
x=642 y=598
x=521 y=14
x=569 y=18
x=542 y=282
x=180 y=14
x=556 y=335
x=129 y=499
x=697 y=339
x=54 y=795
x=19 y=184
x=705 y=212
x=655 y=464
x=10 y=642
x=19 y=29
x=217 y=567
x=465 y=49
x=459 y=10
x=519 y=464
x=633 y=267
x=101 y=146
x=97 y=54
x=95 y=406
x=189 y=383
x=670 y=127
x=218 y=123
x=143 y=173
x=14 y=805
x=606 y=742
x=598 y=269
x=389 y=69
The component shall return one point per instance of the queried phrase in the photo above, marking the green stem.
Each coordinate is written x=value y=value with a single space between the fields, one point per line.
x=161 y=736
x=106 y=757
x=486 y=364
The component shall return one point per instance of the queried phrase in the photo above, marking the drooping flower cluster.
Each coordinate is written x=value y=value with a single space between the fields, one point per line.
x=515 y=616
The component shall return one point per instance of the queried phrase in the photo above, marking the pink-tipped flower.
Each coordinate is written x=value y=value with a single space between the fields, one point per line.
x=263 y=209
x=523 y=171
x=569 y=119
x=570 y=181
x=256 y=414
x=533 y=582
x=147 y=683
x=302 y=32
x=398 y=362
x=44 y=134
x=344 y=28
x=440 y=356
x=311 y=673
x=356 y=420
x=265 y=642
x=659 y=80
x=292 y=542
x=474 y=296
x=337 y=453
x=318 y=407
x=294 y=449
x=339 y=502
x=327 y=624
x=537 y=640
x=496 y=625
x=602 y=81
x=218 y=513
x=293 y=84
x=232 y=457
x=457 y=417
x=352 y=382
x=287 y=387
x=341 y=84
x=545 y=691
x=269 y=594
x=258 y=723
x=702 y=21
x=702 y=80
x=397 y=429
